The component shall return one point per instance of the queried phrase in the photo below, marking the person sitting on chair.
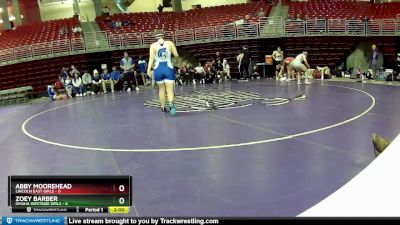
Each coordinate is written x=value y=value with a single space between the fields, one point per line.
x=96 y=82
x=78 y=86
x=59 y=85
x=106 y=78
x=199 y=73
x=68 y=86
x=116 y=77
x=86 y=81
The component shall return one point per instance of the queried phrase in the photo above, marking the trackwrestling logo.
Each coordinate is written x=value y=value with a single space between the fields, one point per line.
x=33 y=220
x=212 y=100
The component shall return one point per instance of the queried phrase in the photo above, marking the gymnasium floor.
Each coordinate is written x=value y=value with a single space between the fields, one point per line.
x=250 y=158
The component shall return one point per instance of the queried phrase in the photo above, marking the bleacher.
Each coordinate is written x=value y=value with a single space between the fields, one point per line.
x=324 y=50
x=229 y=50
x=14 y=94
x=343 y=9
x=331 y=51
x=171 y=21
x=36 y=33
x=39 y=73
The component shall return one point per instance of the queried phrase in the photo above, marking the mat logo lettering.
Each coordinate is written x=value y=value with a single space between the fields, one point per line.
x=213 y=100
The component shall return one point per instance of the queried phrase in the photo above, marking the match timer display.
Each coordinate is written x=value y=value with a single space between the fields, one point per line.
x=89 y=194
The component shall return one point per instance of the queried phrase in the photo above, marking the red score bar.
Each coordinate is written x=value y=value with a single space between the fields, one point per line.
x=72 y=186
x=85 y=189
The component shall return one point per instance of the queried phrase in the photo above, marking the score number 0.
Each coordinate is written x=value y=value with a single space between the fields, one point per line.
x=121 y=200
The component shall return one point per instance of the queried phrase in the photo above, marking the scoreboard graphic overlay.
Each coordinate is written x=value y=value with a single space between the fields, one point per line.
x=87 y=194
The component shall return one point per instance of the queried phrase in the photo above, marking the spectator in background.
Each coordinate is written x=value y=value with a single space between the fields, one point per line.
x=117 y=79
x=106 y=11
x=277 y=55
x=76 y=15
x=226 y=68
x=142 y=64
x=261 y=13
x=68 y=86
x=127 y=65
x=96 y=82
x=366 y=20
x=183 y=73
x=247 y=18
x=78 y=86
x=239 y=21
x=63 y=31
x=106 y=80
x=113 y=24
x=375 y=60
x=59 y=85
x=217 y=57
x=73 y=71
x=160 y=8
x=178 y=78
x=64 y=73
x=77 y=29
x=208 y=71
x=247 y=27
x=199 y=73
x=12 y=24
x=244 y=60
x=352 y=26
x=86 y=81
x=116 y=24
x=298 y=17
x=255 y=74
x=219 y=69
x=126 y=22
x=212 y=73
x=397 y=67
x=191 y=73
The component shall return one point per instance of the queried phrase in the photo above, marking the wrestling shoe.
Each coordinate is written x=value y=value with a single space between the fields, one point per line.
x=172 y=109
